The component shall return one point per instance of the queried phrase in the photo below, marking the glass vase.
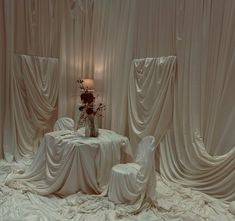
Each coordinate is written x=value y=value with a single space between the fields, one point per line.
x=91 y=128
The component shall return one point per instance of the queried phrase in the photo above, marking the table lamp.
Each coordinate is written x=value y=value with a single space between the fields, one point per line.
x=88 y=84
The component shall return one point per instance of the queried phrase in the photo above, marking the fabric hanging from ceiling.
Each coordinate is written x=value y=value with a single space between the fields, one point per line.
x=199 y=150
x=2 y=74
x=32 y=101
x=113 y=42
x=28 y=78
x=37 y=27
x=75 y=59
x=151 y=97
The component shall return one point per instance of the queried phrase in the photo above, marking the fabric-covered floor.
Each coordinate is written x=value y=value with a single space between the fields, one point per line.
x=174 y=202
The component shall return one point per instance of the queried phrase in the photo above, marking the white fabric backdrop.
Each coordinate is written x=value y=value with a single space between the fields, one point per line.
x=75 y=60
x=151 y=97
x=37 y=27
x=199 y=33
x=32 y=100
x=112 y=39
x=199 y=150
x=2 y=74
x=27 y=79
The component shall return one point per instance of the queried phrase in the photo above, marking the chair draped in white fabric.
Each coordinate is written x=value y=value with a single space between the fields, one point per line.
x=64 y=123
x=135 y=181
x=232 y=207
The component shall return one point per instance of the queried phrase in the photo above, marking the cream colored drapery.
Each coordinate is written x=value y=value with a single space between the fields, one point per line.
x=37 y=27
x=33 y=96
x=75 y=59
x=31 y=82
x=199 y=149
x=2 y=75
x=151 y=97
x=200 y=33
x=113 y=30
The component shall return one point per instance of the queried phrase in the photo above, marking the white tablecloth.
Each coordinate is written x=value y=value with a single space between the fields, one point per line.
x=68 y=162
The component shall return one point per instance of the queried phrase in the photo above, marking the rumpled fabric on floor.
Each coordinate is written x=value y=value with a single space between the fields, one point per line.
x=173 y=203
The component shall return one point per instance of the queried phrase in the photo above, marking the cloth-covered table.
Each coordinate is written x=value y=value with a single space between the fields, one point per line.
x=68 y=162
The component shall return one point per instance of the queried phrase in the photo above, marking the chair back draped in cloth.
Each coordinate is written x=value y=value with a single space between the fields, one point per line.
x=136 y=181
x=64 y=123
x=145 y=157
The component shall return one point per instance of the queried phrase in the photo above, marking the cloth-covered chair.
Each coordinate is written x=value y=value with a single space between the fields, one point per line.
x=232 y=207
x=135 y=181
x=64 y=123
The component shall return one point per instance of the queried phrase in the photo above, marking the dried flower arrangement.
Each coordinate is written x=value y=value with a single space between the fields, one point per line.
x=89 y=109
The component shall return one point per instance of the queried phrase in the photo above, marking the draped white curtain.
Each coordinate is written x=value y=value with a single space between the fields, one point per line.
x=2 y=73
x=113 y=30
x=37 y=27
x=151 y=97
x=75 y=59
x=100 y=39
x=31 y=87
x=199 y=149
x=33 y=96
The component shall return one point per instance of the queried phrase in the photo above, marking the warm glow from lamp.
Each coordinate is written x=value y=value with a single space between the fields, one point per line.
x=88 y=84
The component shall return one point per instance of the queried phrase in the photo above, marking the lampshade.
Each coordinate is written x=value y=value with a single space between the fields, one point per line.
x=88 y=83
